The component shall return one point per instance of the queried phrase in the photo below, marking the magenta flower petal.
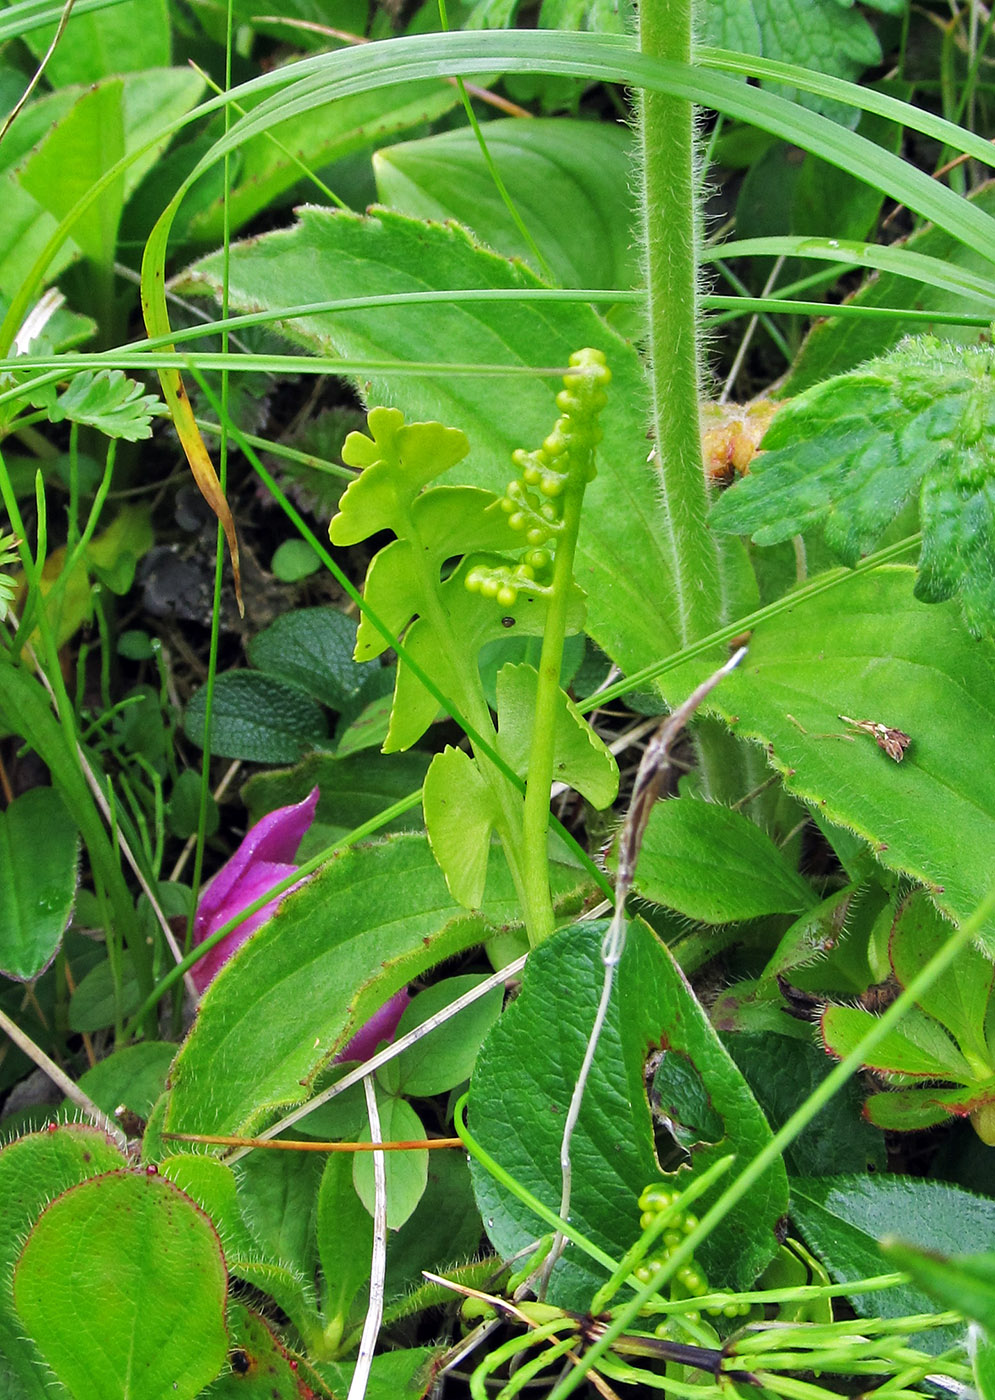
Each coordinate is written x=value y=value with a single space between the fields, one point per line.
x=262 y=860
x=382 y=1026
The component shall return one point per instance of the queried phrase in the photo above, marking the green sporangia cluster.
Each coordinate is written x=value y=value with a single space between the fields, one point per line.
x=690 y=1280
x=533 y=501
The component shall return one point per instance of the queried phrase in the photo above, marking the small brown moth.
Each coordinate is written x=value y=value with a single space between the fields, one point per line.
x=893 y=741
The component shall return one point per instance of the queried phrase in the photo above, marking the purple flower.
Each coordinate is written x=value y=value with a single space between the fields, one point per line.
x=382 y=1026
x=262 y=860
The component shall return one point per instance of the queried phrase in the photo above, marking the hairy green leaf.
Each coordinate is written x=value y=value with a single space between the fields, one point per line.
x=850 y=453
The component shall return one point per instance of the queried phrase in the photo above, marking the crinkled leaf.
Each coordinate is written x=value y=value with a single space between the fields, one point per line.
x=135 y=1313
x=959 y=998
x=312 y=648
x=850 y=453
x=580 y=759
x=460 y=812
x=821 y=34
x=713 y=864
x=918 y=1045
x=518 y=1100
x=257 y=718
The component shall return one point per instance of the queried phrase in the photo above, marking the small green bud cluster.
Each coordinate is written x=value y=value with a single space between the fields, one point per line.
x=690 y=1280
x=531 y=501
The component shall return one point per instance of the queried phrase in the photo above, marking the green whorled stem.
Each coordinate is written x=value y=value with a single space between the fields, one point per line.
x=666 y=136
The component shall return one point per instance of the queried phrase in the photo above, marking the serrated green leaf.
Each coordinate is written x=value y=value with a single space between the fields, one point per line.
x=292 y=996
x=108 y=401
x=713 y=864
x=518 y=1100
x=136 y=1313
x=918 y=1046
x=580 y=759
x=868 y=649
x=622 y=568
x=561 y=174
x=843 y=1218
x=850 y=453
x=39 y=854
x=460 y=812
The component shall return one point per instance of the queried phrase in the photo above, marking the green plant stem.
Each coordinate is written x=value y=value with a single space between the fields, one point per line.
x=666 y=138
x=540 y=919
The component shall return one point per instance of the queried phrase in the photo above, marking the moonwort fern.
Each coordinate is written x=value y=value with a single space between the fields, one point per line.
x=514 y=575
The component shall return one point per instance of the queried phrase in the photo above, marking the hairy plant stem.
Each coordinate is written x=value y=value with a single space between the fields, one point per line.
x=540 y=919
x=666 y=135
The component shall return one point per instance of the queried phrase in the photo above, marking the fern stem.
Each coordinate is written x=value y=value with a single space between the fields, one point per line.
x=666 y=133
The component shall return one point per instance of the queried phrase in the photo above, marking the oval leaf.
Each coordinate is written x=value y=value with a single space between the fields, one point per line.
x=122 y=1286
x=257 y=718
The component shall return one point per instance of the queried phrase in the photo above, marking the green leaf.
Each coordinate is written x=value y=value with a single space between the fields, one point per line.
x=312 y=649
x=715 y=865
x=278 y=1200
x=819 y=34
x=964 y=1282
x=94 y=1004
x=959 y=999
x=345 y=1244
x=561 y=174
x=212 y=1185
x=868 y=649
x=443 y=1059
x=265 y=171
x=443 y=1231
x=783 y=1075
x=35 y=1168
x=305 y=982
x=122 y=37
x=397 y=460
x=108 y=401
x=982 y=1351
x=843 y=1218
x=518 y=1100
x=294 y=560
x=850 y=453
x=580 y=759
x=260 y=1366
x=918 y=1045
x=135 y=1313
x=460 y=812
x=39 y=853
x=134 y=1076
x=836 y=345
x=256 y=718
x=352 y=791
x=406 y=1172
x=912 y=1110
x=622 y=565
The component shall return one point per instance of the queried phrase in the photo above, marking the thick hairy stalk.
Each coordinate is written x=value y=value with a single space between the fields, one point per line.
x=666 y=134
